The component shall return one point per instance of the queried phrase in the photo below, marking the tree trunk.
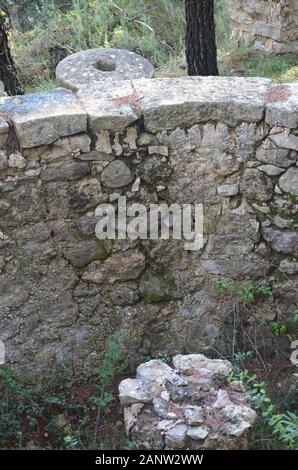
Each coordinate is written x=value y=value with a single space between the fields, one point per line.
x=8 y=73
x=201 y=51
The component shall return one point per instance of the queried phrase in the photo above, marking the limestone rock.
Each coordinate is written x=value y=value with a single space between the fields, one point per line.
x=190 y=365
x=287 y=141
x=116 y=268
x=109 y=105
x=288 y=267
x=193 y=415
x=256 y=185
x=175 y=437
x=271 y=170
x=83 y=253
x=270 y=154
x=283 y=242
x=282 y=108
x=65 y=171
x=197 y=432
x=116 y=175
x=3 y=161
x=137 y=391
x=16 y=160
x=157 y=371
x=186 y=101
x=228 y=190
x=162 y=413
x=288 y=182
x=158 y=150
x=41 y=118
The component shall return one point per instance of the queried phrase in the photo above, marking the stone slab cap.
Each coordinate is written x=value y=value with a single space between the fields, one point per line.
x=168 y=103
x=282 y=105
x=109 y=105
x=101 y=65
x=41 y=118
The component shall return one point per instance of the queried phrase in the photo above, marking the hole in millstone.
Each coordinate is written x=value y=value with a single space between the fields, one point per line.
x=105 y=65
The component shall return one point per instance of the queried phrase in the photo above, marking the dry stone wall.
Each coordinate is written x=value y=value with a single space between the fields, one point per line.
x=268 y=24
x=229 y=143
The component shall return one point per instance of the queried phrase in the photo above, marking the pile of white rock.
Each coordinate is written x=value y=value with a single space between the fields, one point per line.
x=191 y=406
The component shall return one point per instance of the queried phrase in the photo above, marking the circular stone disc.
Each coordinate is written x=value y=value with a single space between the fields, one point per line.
x=101 y=65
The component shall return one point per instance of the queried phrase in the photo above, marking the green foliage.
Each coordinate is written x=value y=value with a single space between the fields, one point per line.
x=282 y=425
x=69 y=423
x=278 y=329
x=244 y=292
x=295 y=315
x=249 y=62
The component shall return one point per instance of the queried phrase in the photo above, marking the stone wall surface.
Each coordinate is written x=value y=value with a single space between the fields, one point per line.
x=268 y=24
x=229 y=143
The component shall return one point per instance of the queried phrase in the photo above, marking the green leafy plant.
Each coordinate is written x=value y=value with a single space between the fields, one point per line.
x=278 y=329
x=244 y=292
x=283 y=425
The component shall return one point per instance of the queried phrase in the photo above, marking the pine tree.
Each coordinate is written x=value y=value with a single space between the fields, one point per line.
x=8 y=73
x=201 y=51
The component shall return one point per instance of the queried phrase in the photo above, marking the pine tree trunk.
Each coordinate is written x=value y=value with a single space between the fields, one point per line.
x=201 y=51
x=8 y=73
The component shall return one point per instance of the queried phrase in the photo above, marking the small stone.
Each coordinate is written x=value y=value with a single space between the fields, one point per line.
x=197 y=433
x=131 y=415
x=283 y=242
x=175 y=437
x=3 y=161
x=61 y=420
x=271 y=170
x=228 y=190
x=116 y=268
x=277 y=189
x=222 y=399
x=114 y=197
x=65 y=171
x=256 y=185
x=4 y=205
x=16 y=160
x=85 y=226
x=82 y=253
x=289 y=267
x=286 y=141
x=281 y=223
x=288 y=182
x=80 y=143
x=262 y=249
x=263 y=209
x=189 y=364
x=116 y=175
x=137 y=391
x=193 y=415
x=159 y=150
x=252 y=164
x=146 y=139
x=103 y=143
x=166 y=424
x=156 y=370
x=131 y=138
x=136 y=185
x=95 y=155
x=270 y=154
